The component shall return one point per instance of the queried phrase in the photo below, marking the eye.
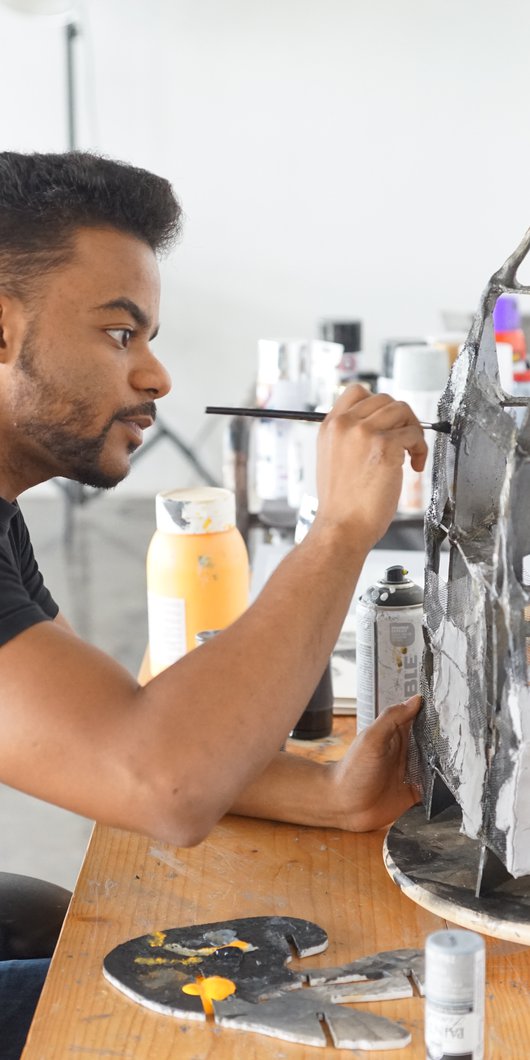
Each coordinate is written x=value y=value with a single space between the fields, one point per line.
x=122 y=336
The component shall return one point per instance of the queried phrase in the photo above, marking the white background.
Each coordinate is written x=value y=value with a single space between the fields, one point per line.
x=356 y=158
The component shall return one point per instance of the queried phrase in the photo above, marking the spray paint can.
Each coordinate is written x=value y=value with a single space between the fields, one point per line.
x=455 y=972
x=389 y=644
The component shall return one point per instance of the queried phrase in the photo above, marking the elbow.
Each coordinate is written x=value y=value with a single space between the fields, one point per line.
x=182 y=818
x=170 y=798
x=179 y=832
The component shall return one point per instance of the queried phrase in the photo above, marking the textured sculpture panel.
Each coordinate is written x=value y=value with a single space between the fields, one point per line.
x=473 y=735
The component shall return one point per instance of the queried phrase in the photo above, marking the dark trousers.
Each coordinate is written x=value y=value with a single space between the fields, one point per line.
x=31 y=915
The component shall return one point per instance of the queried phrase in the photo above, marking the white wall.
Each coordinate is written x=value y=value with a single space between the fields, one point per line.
x=362 y=158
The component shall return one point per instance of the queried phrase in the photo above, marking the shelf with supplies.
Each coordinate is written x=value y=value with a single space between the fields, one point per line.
x=275 y=518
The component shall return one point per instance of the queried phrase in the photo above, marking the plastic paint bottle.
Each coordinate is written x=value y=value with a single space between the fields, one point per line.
x=455 y=971
x=389 y=644
x=197 y=571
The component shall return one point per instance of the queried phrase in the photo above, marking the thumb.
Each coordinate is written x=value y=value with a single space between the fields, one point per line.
x=409 y=709
x=400 y=715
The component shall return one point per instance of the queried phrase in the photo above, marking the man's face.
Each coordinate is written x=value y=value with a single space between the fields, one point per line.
x=84 y=383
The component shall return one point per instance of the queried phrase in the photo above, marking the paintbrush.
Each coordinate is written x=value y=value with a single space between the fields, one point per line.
x=442 y=426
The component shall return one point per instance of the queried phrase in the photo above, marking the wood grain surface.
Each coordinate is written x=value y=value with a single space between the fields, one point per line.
x=130 y=885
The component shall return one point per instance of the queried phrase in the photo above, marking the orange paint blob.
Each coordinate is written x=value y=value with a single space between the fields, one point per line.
x=213 y=988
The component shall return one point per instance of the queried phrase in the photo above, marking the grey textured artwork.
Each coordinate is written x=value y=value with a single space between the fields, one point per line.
x=472 y=740
x=391 y=963
x=298 y=1017
x=235 y=972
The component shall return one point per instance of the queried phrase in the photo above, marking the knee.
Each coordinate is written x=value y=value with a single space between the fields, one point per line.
x=31 y=915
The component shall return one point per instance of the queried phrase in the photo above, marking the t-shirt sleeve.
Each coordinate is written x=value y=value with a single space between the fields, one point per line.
x=24 y=599
x=32 y=579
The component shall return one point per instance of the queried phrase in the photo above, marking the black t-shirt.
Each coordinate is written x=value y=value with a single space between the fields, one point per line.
x=24 y=598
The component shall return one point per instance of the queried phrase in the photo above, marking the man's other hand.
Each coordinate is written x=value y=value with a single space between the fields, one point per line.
x=369 y=781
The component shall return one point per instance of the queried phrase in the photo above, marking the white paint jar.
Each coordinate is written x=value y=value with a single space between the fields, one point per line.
x=455 y=972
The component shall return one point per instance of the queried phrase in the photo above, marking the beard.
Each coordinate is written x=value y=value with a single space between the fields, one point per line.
x=65 y=435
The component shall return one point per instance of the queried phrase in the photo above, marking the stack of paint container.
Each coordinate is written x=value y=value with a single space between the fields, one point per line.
x=297 y=374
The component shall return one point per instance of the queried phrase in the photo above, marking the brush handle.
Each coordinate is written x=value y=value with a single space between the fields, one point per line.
x=443 y=426
x=268 y=414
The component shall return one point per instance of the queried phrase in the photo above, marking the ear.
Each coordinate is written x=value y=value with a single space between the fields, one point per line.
x=13 y=326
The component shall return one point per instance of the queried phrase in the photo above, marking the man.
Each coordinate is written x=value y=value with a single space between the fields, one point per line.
x=79 y=302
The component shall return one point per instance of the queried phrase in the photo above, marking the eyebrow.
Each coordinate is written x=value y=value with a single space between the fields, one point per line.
x=132 y=309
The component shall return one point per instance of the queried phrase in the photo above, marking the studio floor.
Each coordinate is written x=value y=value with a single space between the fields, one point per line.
x=98 y=580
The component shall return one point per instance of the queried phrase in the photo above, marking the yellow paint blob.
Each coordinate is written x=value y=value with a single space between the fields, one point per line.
x=157 y=938
x=167 y=960
x=186 y=956
x=213 y=988
x=153 y=960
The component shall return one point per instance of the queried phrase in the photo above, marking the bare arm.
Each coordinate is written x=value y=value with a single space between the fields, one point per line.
x=364 y=791
x=171 y=758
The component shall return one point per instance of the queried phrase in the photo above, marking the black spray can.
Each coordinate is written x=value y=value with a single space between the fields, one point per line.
x=389 y=644
x=317 y=720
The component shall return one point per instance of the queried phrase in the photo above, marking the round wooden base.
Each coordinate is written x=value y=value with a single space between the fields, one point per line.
x=436 y=866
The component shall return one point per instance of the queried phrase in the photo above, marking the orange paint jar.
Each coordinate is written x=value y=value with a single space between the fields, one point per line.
x=197 y=571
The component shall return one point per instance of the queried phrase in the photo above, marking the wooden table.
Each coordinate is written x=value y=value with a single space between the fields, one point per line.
x=130 y=885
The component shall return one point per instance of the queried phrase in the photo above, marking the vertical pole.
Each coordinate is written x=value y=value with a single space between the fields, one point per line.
x=73 y=491
x=71 y=32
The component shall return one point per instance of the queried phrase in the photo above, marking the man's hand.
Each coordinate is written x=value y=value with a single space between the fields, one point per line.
x=368 y=781
x=361 y=449
x=361 y=792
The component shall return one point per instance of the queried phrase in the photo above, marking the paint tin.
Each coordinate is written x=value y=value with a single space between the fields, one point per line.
x=389 y=644
x=455 y=972
x=197 y=571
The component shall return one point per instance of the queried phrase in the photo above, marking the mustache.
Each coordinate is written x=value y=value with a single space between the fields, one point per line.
x=148 y=408
x=130 y=411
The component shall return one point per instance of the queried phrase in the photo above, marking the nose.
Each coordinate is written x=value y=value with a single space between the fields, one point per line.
x=150 y=376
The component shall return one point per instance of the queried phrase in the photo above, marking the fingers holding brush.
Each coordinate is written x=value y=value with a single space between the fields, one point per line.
x=361 y=449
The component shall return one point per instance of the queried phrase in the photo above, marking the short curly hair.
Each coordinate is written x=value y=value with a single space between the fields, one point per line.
x=45 y=198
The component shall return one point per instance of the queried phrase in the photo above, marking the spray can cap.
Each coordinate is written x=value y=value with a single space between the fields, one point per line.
x=454 y=966
x=506 y=316
x=396 y=574
x=395 y=589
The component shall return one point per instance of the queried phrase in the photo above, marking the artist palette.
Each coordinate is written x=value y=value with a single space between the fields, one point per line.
x=235 y=973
